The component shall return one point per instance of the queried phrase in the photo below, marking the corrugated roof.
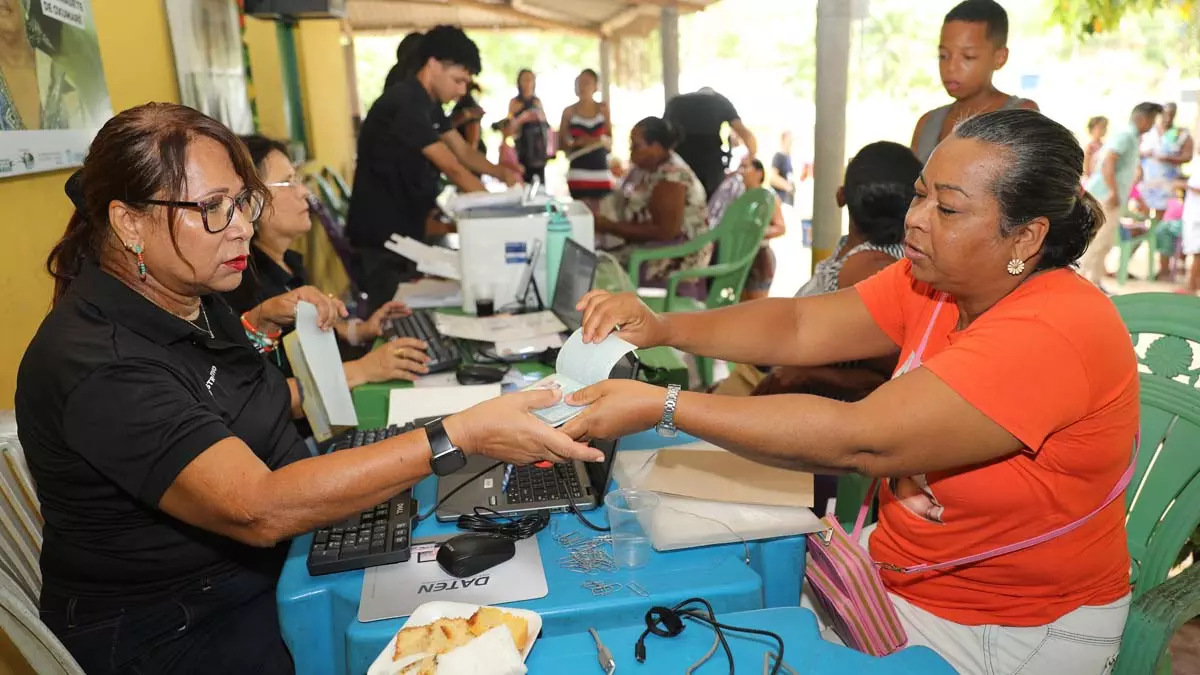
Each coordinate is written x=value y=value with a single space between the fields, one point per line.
x=586 y=17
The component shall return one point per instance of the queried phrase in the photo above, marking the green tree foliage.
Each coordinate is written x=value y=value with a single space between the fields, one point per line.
x=1102 y=18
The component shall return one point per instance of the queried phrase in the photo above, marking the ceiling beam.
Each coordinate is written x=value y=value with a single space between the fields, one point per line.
x=683 y=5
x=625 y=17
x=508 y=11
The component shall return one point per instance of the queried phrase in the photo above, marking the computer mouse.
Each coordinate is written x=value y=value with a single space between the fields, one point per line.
x=477 y=374
x=469 y=554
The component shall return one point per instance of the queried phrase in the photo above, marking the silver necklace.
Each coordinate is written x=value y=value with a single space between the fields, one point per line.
x=207 y=327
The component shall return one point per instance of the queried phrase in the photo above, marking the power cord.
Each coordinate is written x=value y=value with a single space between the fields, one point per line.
x=513 y=527
x=433 y=509
x=573 y=508
x=521 y=527
x=668 y=622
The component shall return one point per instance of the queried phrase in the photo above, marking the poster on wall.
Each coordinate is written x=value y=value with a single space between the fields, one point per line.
x=53 y=97
x=207 y=42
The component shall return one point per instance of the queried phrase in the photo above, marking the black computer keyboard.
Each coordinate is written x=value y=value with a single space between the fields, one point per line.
x=377 y=536
x=530 y=484
x=443 y=350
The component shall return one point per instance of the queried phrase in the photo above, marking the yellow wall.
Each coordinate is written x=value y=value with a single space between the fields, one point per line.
x=267 y=71
x=323 y=90
x=139 y=67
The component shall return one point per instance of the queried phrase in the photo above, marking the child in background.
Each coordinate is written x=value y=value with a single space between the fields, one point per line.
x=1168 y=234
x=1190 y=237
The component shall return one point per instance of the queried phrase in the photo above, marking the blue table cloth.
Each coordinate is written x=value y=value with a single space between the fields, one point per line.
x=319 y=615
x=804 y=650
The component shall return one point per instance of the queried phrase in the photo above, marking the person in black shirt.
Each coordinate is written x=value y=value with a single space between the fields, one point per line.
x=407 y=55
x=276 y=279
x=699 y=117
x=781 y=177
x=528 y=127
x=168 y=470
x=405 y=143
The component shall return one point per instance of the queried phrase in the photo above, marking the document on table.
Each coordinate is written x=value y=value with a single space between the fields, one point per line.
x=429 y=293
x=433 y=260
x=499 y=328
x=414 y=403
x=579 y=365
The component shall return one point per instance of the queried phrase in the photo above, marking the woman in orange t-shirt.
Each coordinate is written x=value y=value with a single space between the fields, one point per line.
x=1019 y=418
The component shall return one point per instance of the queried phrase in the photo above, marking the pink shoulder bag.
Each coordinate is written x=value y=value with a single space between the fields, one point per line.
x=846 y=581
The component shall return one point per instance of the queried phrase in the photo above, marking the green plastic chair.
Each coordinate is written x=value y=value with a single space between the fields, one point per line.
x=1163 y=499
x=1128 y=243
x=737 y=237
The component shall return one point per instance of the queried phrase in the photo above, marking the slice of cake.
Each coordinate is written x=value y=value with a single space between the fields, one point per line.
x=487 y=618
x=412 y=641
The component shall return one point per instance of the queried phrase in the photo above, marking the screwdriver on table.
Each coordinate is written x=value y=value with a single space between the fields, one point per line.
x=603 y=655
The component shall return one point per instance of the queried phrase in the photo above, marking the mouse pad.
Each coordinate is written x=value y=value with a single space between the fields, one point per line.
x=393 y=591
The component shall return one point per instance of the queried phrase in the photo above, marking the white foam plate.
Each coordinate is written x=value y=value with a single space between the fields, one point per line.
x=432 y=611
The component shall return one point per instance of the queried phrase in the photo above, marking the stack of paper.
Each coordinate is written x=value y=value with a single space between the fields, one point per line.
x=414 y=403
x=432 y=260
x=499 y=328
x=429 y=293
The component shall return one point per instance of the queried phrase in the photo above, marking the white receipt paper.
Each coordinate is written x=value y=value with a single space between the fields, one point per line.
x=414 y=403
x=579 y=365
x=500 y=328
x=440 y=262
x=324 y=363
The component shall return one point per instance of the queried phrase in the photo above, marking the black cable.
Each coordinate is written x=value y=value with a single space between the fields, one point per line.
x=433 y=509
x=668 y=622
x=513 y=527
x=573 y=508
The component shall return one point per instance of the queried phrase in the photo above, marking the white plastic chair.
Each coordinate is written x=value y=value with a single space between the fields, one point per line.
x=38 y=646
x=20 y=513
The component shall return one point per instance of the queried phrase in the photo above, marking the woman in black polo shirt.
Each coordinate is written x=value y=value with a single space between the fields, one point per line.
x=276 y=279
x=168 y=470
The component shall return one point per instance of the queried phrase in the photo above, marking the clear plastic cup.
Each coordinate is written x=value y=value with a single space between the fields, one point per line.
x=630 y=512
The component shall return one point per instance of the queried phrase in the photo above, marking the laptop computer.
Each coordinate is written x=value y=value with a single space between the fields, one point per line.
x=522 y=489
x=576 y=275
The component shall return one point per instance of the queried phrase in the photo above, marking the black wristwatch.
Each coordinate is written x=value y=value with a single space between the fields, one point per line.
x=447 y=457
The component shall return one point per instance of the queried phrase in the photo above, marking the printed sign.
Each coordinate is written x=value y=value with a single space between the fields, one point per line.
x=53 y=96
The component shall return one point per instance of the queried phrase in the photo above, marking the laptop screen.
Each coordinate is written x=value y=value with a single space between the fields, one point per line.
x=576 y=273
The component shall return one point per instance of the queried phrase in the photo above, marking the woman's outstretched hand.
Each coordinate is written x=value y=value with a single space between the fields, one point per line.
x=604 y=313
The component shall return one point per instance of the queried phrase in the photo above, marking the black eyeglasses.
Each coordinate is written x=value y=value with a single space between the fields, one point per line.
x=220 y=208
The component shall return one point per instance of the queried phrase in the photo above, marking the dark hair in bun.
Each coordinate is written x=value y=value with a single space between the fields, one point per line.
x=878 y=189
x=658 y=130
x=1042 y=179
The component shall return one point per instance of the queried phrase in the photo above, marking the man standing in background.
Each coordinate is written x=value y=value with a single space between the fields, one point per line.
x=1112 y=183
x=782 y=176
x=406 y=143
x=699 y=117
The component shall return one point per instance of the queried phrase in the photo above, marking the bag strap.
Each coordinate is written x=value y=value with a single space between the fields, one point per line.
x=1117 y=491
x=914 y=358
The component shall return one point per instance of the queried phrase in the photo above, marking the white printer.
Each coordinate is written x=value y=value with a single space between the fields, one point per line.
x=496 y=243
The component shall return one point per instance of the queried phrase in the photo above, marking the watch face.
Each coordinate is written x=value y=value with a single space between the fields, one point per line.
x=449 y=462
x=665 y=431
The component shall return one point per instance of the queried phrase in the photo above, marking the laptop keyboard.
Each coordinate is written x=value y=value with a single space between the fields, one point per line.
x=530 y=484
x=443 y=350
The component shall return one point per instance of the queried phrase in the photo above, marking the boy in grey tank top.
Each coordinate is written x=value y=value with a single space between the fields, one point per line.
x=973 y=46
